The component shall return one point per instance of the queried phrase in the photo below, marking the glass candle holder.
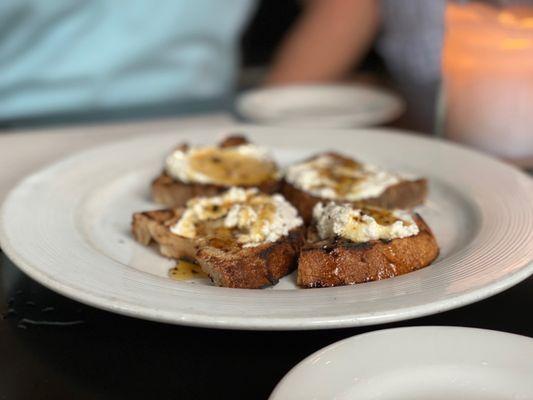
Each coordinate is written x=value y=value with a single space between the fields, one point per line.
x=487 y=68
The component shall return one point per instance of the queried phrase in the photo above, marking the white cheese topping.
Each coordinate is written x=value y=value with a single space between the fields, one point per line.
x=340 y=179
x=362 y=225
x=243 y=164
x=253 y=217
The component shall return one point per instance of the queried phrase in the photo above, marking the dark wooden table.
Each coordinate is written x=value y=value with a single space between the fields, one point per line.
x=55 y=348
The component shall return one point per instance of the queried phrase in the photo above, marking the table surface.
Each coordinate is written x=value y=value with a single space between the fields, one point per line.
x=52 y=347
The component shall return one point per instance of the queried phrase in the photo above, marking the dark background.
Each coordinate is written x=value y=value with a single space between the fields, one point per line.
x=267 y=28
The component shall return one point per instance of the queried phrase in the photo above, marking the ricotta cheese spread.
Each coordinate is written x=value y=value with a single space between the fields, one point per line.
x=339 y=178
x=362 y=225
x=244 y=165
x=252 y=218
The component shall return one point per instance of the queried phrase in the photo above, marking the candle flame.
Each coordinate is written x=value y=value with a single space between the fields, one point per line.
x=483 y=37
x=508 y=19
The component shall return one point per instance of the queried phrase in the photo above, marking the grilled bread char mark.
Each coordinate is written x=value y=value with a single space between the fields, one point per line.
x=406 y=194
x=174 y=193
x=338 y=261
x=227 y=263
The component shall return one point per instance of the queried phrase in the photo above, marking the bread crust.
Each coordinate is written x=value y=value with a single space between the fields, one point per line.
x=230 y=266
x=173 y=193
x=338 y=262
x=405 y=195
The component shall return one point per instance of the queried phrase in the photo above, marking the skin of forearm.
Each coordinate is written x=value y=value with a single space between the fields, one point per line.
x=327 y=41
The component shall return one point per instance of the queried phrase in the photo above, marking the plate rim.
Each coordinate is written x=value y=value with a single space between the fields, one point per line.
x=270 y=323
x=347 y=123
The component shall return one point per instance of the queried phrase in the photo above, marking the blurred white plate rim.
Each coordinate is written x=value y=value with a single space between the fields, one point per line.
x=320 y=105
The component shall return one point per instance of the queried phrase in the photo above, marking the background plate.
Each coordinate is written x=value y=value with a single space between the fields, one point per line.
x=320 y=106
x=67 y=226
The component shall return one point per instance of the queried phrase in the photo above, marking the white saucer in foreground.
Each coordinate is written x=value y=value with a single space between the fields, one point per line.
x=324 y=106
x=418 y=363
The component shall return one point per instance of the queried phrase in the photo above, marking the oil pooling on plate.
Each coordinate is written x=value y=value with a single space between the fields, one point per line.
x=185 y=270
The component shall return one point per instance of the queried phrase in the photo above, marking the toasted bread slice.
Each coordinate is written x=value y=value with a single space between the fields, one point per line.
x=337 y=262
x=405 y=194
x=226 y=262
x=172 y=192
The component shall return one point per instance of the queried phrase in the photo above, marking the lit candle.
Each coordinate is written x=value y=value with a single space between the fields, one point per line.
x=488 y=79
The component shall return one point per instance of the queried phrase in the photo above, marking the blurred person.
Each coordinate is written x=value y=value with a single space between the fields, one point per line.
x=333 y=36
x=62 y=56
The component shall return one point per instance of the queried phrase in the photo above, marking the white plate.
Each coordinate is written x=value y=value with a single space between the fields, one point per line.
x=67 y=226
x=320 y=106
x=421 y=363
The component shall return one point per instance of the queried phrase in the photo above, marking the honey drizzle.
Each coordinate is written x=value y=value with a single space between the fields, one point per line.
x=340 y=172
x=185 y=271
x=219 y=236
x=227 y=167
x=382 y=216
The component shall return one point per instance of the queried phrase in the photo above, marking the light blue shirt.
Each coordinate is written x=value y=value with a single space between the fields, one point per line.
x=61 y=56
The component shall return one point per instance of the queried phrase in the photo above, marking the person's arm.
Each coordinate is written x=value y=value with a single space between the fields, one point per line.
x=327 y=41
